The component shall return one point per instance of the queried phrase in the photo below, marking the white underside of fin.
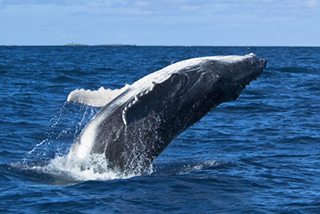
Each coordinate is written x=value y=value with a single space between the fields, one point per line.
x=98 y=98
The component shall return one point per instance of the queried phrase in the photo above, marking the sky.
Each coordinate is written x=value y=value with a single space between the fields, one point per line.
x=161 y=22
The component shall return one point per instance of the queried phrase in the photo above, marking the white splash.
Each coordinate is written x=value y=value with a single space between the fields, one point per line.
x=94 y=167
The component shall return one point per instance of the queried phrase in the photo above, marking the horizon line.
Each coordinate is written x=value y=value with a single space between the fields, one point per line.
x=134 y=45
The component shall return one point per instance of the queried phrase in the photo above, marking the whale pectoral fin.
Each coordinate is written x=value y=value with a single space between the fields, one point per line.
x=98 y=98
x=157 y=99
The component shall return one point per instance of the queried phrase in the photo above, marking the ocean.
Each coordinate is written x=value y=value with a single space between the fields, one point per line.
x=257 y=154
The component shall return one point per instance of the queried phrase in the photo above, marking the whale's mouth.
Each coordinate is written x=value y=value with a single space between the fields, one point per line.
x=264 y=62
x=240 y=84
x=255 y=74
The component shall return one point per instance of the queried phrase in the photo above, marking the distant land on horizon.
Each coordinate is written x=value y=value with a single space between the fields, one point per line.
x=79 y=44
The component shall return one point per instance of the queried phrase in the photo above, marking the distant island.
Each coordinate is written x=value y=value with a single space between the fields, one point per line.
x=79 y=44
x=75 y=44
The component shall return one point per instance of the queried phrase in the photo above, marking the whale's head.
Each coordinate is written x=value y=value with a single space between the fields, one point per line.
x=235 y=73
x=203 y=83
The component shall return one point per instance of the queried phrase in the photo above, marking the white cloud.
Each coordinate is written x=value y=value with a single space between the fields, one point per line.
x=142 y=3
x=189 y=8
x=312 y=3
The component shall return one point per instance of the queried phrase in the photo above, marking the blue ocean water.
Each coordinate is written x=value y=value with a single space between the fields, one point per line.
x=258 y=154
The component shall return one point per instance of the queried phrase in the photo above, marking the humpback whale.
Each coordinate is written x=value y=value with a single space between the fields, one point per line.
x=136 y=123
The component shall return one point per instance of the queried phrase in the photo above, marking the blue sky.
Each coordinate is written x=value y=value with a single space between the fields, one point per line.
x=166 y=22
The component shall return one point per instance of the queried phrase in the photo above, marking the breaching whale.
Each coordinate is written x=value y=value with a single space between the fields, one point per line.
x=136 y=123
